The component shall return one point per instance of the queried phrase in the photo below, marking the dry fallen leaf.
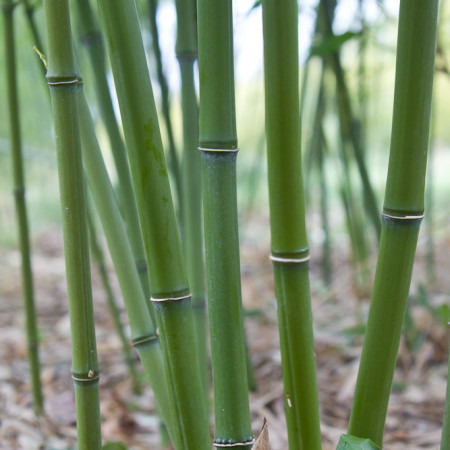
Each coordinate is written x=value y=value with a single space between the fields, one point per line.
x=262 y=443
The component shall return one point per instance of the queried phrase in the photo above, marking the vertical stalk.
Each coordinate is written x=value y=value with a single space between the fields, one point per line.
x=169 y=288
x=218 y=145
x=63 y=81
x=143 y=333
x=97 y=254
x=290 y=252
x=165 y=104
x=186 y=49
x=21 y=211
x=402 y=215
x=92 y=41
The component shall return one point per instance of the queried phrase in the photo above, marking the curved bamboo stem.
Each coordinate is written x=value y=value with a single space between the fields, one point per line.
x=169 y=287
x=403 y=211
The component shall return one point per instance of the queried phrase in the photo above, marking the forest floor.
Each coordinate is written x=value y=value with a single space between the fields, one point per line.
x=415 y=411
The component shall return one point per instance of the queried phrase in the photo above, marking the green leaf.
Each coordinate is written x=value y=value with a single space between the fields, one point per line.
x=114 y=445
x=348 y=442
x=331 y=44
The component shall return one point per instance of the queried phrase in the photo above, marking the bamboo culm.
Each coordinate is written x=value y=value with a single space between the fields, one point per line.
x=290 y=252
x=186 y=50
x=92 y=40
x=20 y=205
x=169 y=288
x=98 y=257
x=402 y=214
x=143 y=333
x=218 y=145
x=63 y=81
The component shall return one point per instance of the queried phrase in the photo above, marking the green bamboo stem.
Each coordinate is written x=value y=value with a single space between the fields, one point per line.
x=97 y=254
x=143 y=333
x=165 y=104
x=290 y=252
x=92 y=40
x=21 y=211
x=218 y=142
x=63 y=81
x=169 y=288
x=403 y=210
x=186 y=49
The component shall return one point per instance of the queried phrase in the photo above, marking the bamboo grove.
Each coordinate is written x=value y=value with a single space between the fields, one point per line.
x=177 y=257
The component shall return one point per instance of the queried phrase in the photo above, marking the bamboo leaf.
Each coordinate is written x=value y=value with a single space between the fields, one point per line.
x=114 y=445
x=332 y=43
x=349 y=442
x=262 y=443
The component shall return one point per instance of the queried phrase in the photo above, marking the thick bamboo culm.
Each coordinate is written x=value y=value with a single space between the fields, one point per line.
x=20 y=205
x=63 y=81
x=186 y=50
x=169 y=288
x=143 y=333
x=290 y=252
x=402 y=214
x=92 y=40
x=218 y=145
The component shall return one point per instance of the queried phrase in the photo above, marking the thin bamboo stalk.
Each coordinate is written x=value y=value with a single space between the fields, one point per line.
x=143 y=333
x=63 y=81
x=21 y=211
x=174 y=164
x=92 y=40
x=98 y=256
x=186 y=49
x=169 y=287
x=402 y=215
x=218 y=145
x=290 y=252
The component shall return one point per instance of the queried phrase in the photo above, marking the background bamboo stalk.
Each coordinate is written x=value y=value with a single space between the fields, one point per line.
x=169 y=288
x=63 y=81
x=20 y=204
x=218 y=136
x=92 y=40
x=403 y=209
x=290 y=251
x=98 y=256
x=174 y=163
x=186 y=49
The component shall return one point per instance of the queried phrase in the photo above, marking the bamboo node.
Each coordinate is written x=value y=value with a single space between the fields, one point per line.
x=186 y=56
x=143 y=340
x=280 y=259
x=234 y=444
x=64 y=82
x=19 y=193
x=221 y=150
x=170 y=299
x=86 y=378
x=410 y=217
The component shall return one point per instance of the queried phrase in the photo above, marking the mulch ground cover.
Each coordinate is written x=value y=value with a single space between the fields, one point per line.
x=417 y=402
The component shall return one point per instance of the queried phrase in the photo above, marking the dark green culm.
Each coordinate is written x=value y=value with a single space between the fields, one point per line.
x=402 y=214
x=92 y=40
x=290 y=252
x=21 y=212
x=169 y=287
x=174 y=164
x=63 y=81
x=186 y=49
x=99 y=258
x=218 y=146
